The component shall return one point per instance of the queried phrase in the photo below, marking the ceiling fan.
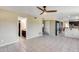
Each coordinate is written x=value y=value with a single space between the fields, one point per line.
x=44 y=10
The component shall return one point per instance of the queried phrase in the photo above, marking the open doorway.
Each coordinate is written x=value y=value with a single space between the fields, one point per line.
x=22 y=26
x=43 y=27
x=46 y=27
x=59 y=27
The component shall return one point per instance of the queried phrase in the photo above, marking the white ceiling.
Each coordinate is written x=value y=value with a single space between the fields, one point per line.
x=70 y=12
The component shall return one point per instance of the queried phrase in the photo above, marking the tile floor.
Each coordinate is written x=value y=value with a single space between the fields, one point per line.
x=44 y=44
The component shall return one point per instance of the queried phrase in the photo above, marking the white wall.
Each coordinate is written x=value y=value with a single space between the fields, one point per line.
x=52 y=27
x=34 y=27
x=8 y=27
x=47 y=26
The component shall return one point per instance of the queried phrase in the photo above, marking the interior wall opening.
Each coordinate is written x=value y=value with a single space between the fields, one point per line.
x=22 y=22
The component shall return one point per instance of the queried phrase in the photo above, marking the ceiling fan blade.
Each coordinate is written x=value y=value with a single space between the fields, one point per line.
x=42 y=13
x=40 y=8
x=52 y=11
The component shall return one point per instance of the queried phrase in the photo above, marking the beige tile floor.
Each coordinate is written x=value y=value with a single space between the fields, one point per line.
x=19 y=46
x=44 y=44
x=53 y=44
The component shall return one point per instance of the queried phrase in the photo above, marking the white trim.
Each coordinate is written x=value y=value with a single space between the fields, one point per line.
x=32 y=37
x=8 y=43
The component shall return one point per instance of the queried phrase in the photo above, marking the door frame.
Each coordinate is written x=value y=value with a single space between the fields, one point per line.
x=56 y=27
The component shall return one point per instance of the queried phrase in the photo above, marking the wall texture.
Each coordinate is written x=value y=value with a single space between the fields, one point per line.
x=8 y=27
x=52 y=27
x=47 y=26
x=34 y=27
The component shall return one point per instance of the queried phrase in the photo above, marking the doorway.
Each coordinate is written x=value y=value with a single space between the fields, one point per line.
x=46 y=27
x=59 y=27
x=43 y=27
x=22 y=26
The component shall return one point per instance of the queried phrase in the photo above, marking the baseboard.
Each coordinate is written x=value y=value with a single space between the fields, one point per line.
x=33 y=37
x=8 y=43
